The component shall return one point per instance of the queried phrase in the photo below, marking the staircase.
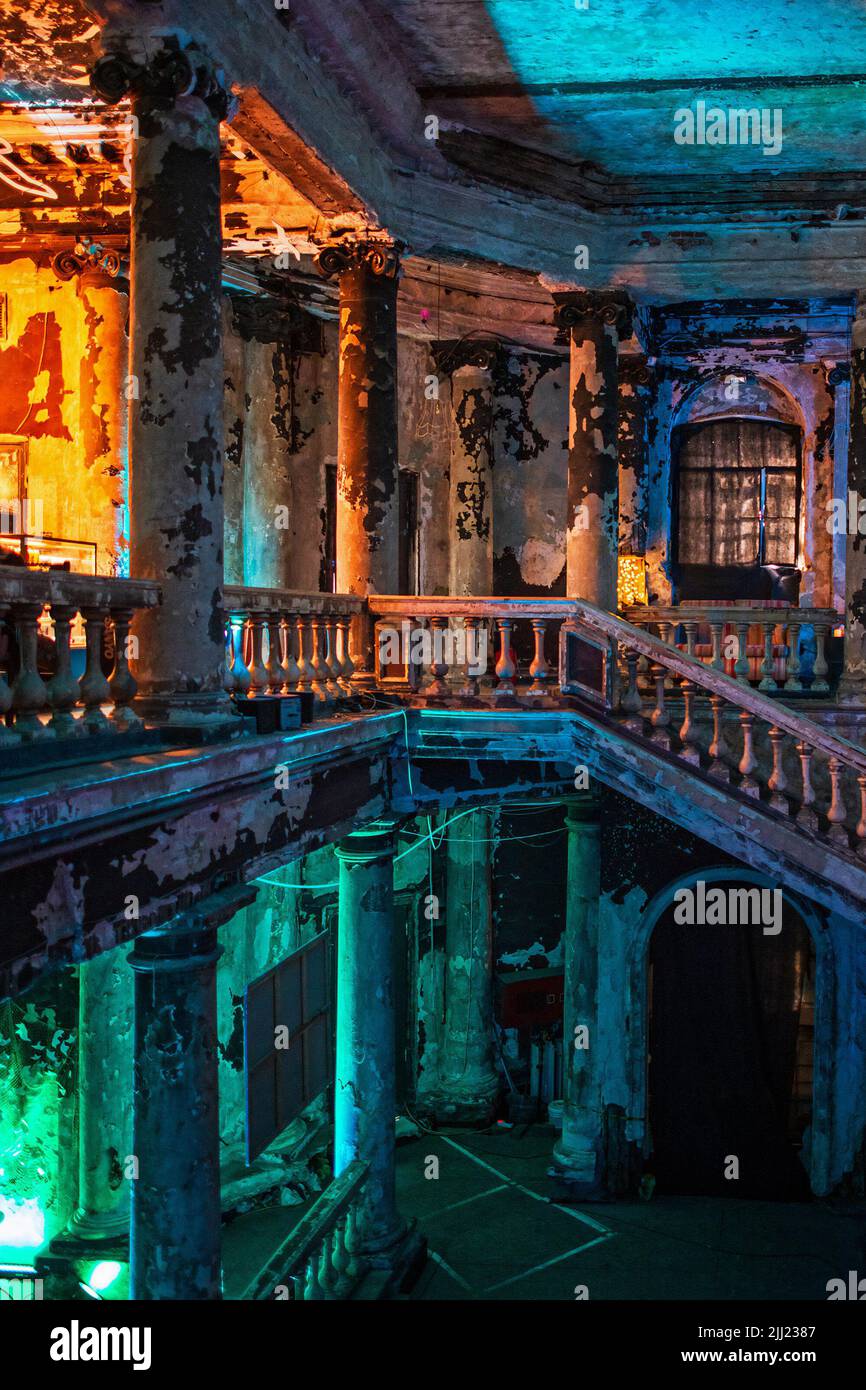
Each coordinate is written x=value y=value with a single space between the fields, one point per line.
x=732 y=765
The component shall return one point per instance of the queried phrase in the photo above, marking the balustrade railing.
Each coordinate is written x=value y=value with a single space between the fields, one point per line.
x=279 y=642
x=53 y=624
x=736 y=735
x=467 y=649
x=320 y=1259
x=758 y=644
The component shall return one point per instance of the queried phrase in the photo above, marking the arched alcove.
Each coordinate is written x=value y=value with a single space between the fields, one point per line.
x=817 y=1160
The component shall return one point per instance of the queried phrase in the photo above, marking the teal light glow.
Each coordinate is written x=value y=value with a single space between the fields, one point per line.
x=602 y=81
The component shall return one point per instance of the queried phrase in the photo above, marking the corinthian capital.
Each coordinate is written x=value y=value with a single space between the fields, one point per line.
x=613 y=308
x=380 y=255
x=157 y=69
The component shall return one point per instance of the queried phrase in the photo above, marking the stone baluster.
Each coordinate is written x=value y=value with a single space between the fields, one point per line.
x=63 y=687
x=306 y=669
x=767 y=681
x=717 y=630
x=660 y=719
x=343 y=655
x=335 y=690
x=256 y=668
x=291 y=673
x=631 y=702
x=354 y=1266
x=691 y=748
x=29 y=694
x=819 y=680
x=340 y=1258
x=718 y=766
x=313 y=1291
x=539 y=669
x=506 y=668
x=806 y=816
x=274 y=666
x=741 y=665
x=122 y=682
x=438 y=686
x=691 y=628
x=748 y=761
x=93 y=687
x=666 y=631
x=792 y=663
x=861 y=824
x=472 y=627
x=327 y=1273
x=778 y=782
x=240 y=676
x=837 y=813
x=317 y=660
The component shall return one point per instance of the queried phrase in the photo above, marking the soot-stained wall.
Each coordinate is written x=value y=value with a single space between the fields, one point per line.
x=63 y=387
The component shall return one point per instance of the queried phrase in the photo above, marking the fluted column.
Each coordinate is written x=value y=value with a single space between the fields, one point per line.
x=471 y=367
x=176 y=367
x=577 y=1155
x=175 y=1215
x=365 y=1095
x=852 y=687
x=367 y=490
x=595 y=321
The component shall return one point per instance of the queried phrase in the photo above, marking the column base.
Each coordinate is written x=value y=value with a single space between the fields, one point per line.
x=89 y=1234
x=576 y=1176
x=395 y=1270
x=211 y=712
x=473 y=1108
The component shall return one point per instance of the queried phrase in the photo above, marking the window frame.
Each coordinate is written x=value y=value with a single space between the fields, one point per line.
x=682 y=433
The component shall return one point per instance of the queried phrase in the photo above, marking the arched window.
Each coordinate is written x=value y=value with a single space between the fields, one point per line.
x=737 y=493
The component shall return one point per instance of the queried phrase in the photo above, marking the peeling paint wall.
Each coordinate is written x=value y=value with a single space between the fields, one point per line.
x=62 y=377
x=530 y=465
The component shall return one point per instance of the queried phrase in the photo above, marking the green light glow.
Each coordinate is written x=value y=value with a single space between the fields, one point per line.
x=22 y=1224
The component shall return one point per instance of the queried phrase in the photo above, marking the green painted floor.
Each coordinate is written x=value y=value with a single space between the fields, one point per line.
x=494 y=1234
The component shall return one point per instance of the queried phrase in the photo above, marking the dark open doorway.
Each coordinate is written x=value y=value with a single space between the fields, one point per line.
x=730 y=1065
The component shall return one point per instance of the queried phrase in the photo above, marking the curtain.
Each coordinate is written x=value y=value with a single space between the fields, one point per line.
x=729 y=471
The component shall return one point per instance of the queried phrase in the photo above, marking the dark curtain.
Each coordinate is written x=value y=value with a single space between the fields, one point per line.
x=725 y=1004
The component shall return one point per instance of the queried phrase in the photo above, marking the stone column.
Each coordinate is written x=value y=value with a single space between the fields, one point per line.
x=469 y=1082
x=367 y=491
x=364 y=1098
x=595 y=322
x=234 y=420
x=471 y=367
x=105 y=1026
x=271 y=327
x=578 y=1153
x=852 y=687
x=175 y=1218
x=176 y=368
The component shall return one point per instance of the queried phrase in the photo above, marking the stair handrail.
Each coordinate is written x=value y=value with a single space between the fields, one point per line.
x=718 y=683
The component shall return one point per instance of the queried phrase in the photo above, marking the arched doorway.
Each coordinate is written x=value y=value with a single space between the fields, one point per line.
x=731 y=1042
